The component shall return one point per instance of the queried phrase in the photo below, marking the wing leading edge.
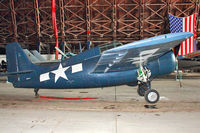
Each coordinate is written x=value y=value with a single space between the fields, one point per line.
x=132 y=55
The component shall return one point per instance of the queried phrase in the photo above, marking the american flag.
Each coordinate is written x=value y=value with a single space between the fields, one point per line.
x=183 y=24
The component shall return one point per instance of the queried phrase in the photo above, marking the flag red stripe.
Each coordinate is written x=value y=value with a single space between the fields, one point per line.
x=185 y=40
x=193 y=30
x=194 y=23
x=190 y=22
x=182 y=48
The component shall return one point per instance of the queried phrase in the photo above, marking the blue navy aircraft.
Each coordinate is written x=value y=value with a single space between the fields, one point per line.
x=131 y=64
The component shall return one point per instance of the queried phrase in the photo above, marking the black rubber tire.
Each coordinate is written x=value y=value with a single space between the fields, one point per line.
x=151 y=96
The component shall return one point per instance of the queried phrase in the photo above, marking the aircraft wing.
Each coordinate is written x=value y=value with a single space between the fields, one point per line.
x=190 y=61
x=36 y=58
x=189 y=64
x=31 y=57
x=38 y=55
x=141 y=52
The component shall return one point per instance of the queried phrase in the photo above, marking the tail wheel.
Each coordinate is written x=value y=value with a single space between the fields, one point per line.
x=152 y=96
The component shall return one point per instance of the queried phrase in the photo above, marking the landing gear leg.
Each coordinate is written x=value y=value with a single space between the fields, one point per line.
x=144 y=86
x=36 y=92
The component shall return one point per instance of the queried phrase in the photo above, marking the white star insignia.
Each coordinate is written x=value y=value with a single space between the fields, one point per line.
x=60 y=72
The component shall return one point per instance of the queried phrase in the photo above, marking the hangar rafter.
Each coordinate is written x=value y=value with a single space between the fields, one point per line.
x=98 y=21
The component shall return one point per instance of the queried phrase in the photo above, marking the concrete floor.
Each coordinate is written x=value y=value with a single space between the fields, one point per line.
x=118 y=110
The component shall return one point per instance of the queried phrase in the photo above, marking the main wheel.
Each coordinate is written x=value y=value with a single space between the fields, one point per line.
x=152 y=96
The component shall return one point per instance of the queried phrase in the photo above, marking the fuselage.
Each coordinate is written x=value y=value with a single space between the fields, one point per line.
x=80 y=74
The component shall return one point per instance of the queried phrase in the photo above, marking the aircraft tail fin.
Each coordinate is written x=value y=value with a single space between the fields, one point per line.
x=17 y=61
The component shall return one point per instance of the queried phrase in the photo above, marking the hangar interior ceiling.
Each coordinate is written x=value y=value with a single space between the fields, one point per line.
x=98 y=21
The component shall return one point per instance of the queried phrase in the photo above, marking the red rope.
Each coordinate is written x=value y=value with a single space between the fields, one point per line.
x=53 y=13
x=49 y=97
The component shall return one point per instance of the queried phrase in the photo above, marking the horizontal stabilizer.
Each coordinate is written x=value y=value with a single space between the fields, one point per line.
x=15 y=73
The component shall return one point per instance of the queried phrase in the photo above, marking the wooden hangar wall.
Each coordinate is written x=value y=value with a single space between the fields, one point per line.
x=98 y=21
